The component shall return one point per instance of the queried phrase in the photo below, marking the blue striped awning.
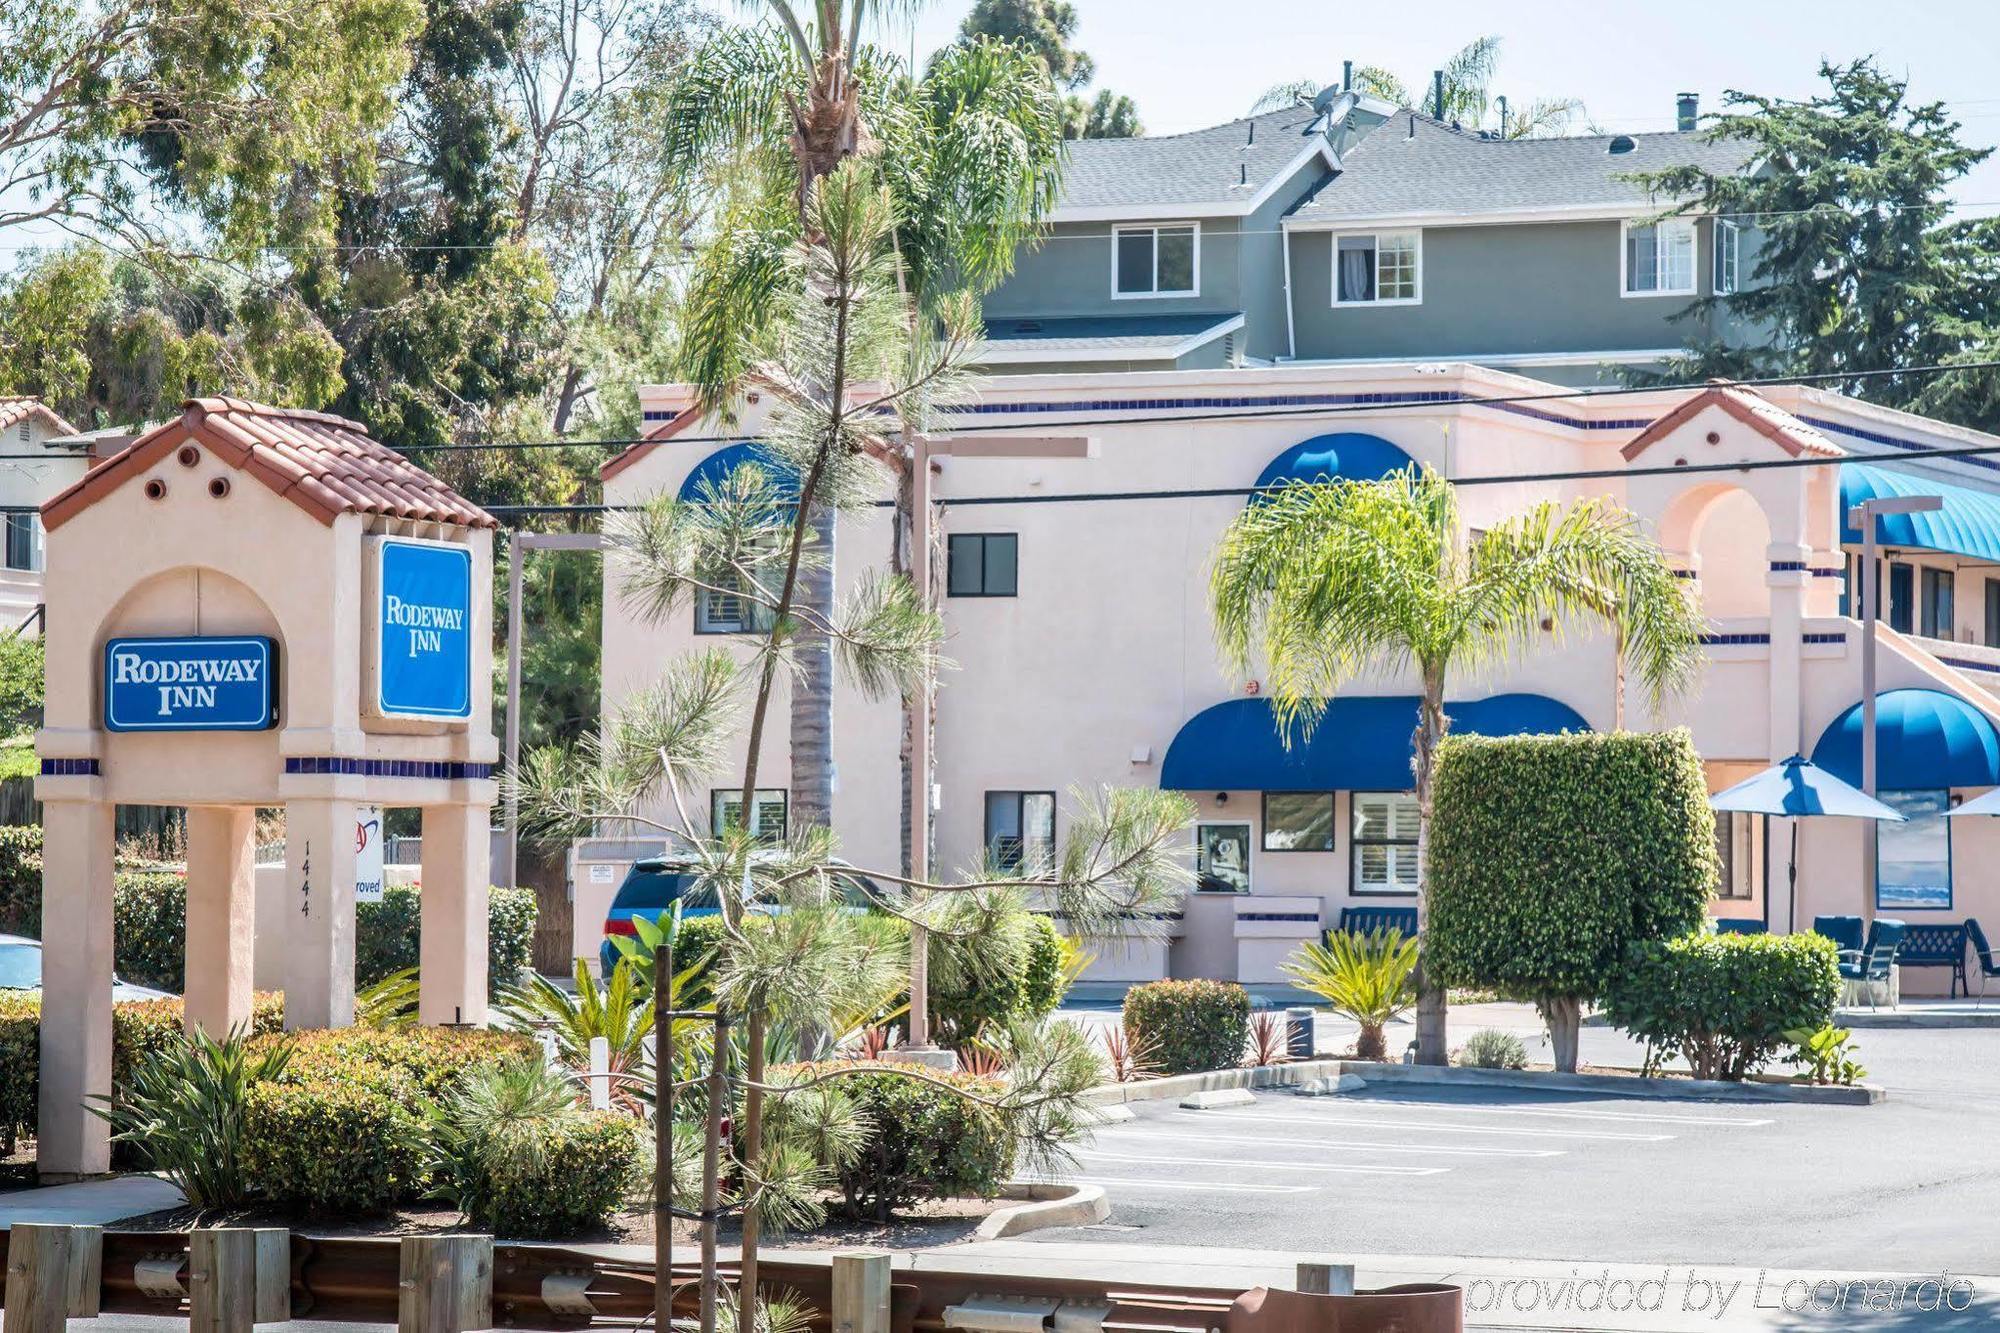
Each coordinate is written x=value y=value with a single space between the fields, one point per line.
x=1362 y=743
x=1347 y=456
x=1969 y=523
x=711 y=471
x=1924 y=740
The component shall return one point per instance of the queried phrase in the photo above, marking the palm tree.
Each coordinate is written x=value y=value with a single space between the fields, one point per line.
x=1467 y=77
x=971 y=155
x=1324 y=582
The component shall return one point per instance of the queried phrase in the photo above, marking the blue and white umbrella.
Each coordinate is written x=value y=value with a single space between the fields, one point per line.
x=1800 y=789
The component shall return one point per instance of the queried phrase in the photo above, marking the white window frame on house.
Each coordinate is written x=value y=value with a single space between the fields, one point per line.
x=772 y=803
x=1035 y=851
x=1662 y=229
x=24 y=542
x=1728 y=256
x=1400 y=849
x=1155 y=228
x=1414 y=236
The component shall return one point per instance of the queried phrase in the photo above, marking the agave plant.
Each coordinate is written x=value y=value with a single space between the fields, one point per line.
x=1128 y=1061
x=183 y=1111
x=1364 y=977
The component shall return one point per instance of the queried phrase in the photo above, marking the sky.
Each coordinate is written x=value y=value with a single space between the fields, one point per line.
x=1190 y=64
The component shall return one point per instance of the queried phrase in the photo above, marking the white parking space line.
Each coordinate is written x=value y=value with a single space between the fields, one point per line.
x=1342 y=1169
x=1137 y=1183
x=1431 y=1127
x=1564 y=1112
x=1126 y=1138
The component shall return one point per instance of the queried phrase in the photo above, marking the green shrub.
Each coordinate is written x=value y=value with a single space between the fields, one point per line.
x=21 y=880
x=413 y=1065
x=1490 y=1048
x=385 y=934
x=183 y=1112
x=923 y=1142
x=1188 y=1026
x=149 y=928
x=1550 y=856
x=1363 y=977
x=145 y=1027
x=333 y=1148
x=1725 y=1003
x=995 y=982
x=514 y=1152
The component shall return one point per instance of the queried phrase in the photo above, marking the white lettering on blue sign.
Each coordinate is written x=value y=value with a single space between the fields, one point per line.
x=192 y=684
x=423 y=647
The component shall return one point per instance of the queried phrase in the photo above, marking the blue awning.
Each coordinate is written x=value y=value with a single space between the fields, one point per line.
x=1924 y=740
x=1969 y=523
x=1348 y=456
x=711 y=471
x=1362 y=743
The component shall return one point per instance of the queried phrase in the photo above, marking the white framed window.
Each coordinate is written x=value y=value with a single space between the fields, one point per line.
x=1728 y=256
x=24 y=541
x=1658 y=258
x=718 y=609
x=1385 y=842
x=767 y=815
x=1021 y=830
x=1156 y=260
x=1378 y=268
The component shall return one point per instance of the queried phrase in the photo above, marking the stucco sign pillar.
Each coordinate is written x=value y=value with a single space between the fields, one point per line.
x=306 y=624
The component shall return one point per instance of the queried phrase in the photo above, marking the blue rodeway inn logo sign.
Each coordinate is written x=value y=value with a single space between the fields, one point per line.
x=423 y=630
x=219 y=684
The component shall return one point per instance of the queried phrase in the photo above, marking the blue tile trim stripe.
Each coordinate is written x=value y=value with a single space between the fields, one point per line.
x=69 y=768
x=439 y=769
x=1686 y=574
x=1834 y=636
x=1439 y=396
x=1897 y=442
x=1835 y=573
x=1734 y=639
x=1967 y=664
x=1279 y=916
x=1788 y=566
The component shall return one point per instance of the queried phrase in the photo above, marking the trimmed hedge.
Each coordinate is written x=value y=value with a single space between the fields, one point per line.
x=137 y=1027
x=385 y=934
x=1186 y=1027
x=21 y=880
x=1725 y=1002
x=1550 y=856
x=414 y=1065
x=582 y=1173
x=923 y=1142
x=1027 y=985
x=333 y=1147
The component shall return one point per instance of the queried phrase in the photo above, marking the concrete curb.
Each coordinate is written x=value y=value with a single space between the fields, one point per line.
x=1045 y=1205
x=1177 y=1086
x=1615 y=1085
x=1891 y=1018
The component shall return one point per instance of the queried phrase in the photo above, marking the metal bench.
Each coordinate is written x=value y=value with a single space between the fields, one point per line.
x=1362 y=920
x=1940 y=945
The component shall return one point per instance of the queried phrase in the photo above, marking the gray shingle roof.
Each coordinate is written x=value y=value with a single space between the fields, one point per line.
x=1109 y=335
x=1394 y=172
x=1224 y=164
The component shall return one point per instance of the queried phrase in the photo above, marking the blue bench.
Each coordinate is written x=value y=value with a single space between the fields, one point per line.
x=1362 y=920
x=1941 y=945
x=1740 y=925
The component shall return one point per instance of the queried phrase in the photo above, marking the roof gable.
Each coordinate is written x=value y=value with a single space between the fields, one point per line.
x=1775 y=424
x=324 y=464
x=1222 y=171
x=13 y=411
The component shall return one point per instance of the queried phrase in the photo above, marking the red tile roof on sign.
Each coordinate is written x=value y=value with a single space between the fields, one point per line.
x=1754 y=410
x=324 y=464
x=13 y=411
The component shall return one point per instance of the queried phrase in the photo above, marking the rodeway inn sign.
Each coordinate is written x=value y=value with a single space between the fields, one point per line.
x=420 y=640
x=217 y=684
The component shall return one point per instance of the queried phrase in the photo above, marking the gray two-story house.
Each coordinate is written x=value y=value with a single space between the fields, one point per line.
x=1351 y=231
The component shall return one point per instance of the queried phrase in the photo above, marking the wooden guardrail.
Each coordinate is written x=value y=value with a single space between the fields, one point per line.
x=226 y=1280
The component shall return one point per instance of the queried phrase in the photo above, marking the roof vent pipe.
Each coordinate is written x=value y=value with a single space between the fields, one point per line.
x=1347 y=76
x=1687 y=110
x=1252 y=140
x=1437 y=94
x=1242 y=173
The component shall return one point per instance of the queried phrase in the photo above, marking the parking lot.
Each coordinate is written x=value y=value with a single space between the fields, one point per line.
x=1907 y=1184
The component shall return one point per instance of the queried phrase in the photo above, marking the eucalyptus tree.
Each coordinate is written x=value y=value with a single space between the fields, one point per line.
x=846 y=359
x=1323 y=583
x=970 y=153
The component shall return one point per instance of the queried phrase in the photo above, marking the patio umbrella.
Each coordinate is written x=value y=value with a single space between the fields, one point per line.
x=1799 y=789
x=1989 y=804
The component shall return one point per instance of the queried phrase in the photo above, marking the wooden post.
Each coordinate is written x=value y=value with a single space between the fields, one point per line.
x=38 y=1277
x=447 y=1284
x=861 y=1291
x=1325 y=1279
x=274 y=1275
x=86 y=1271
x=222 y=1280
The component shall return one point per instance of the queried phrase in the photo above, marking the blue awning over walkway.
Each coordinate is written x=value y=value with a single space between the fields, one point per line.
x=1924 y=740
x=1969 y=523
x=1361 y=744
x=713 y=470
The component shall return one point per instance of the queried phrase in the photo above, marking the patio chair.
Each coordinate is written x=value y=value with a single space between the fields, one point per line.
x=1872 y=969
x=1988 y=968
x=1844 y=931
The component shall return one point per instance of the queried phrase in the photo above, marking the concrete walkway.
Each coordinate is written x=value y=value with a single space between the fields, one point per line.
x=89 y=1202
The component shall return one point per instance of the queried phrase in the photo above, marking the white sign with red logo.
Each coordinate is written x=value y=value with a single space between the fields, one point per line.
x=368 y=855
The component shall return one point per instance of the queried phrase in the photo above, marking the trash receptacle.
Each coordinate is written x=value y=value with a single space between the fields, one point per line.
x=1299 y=1033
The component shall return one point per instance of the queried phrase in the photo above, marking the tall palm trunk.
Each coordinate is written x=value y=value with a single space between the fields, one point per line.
x=1432 y=1044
